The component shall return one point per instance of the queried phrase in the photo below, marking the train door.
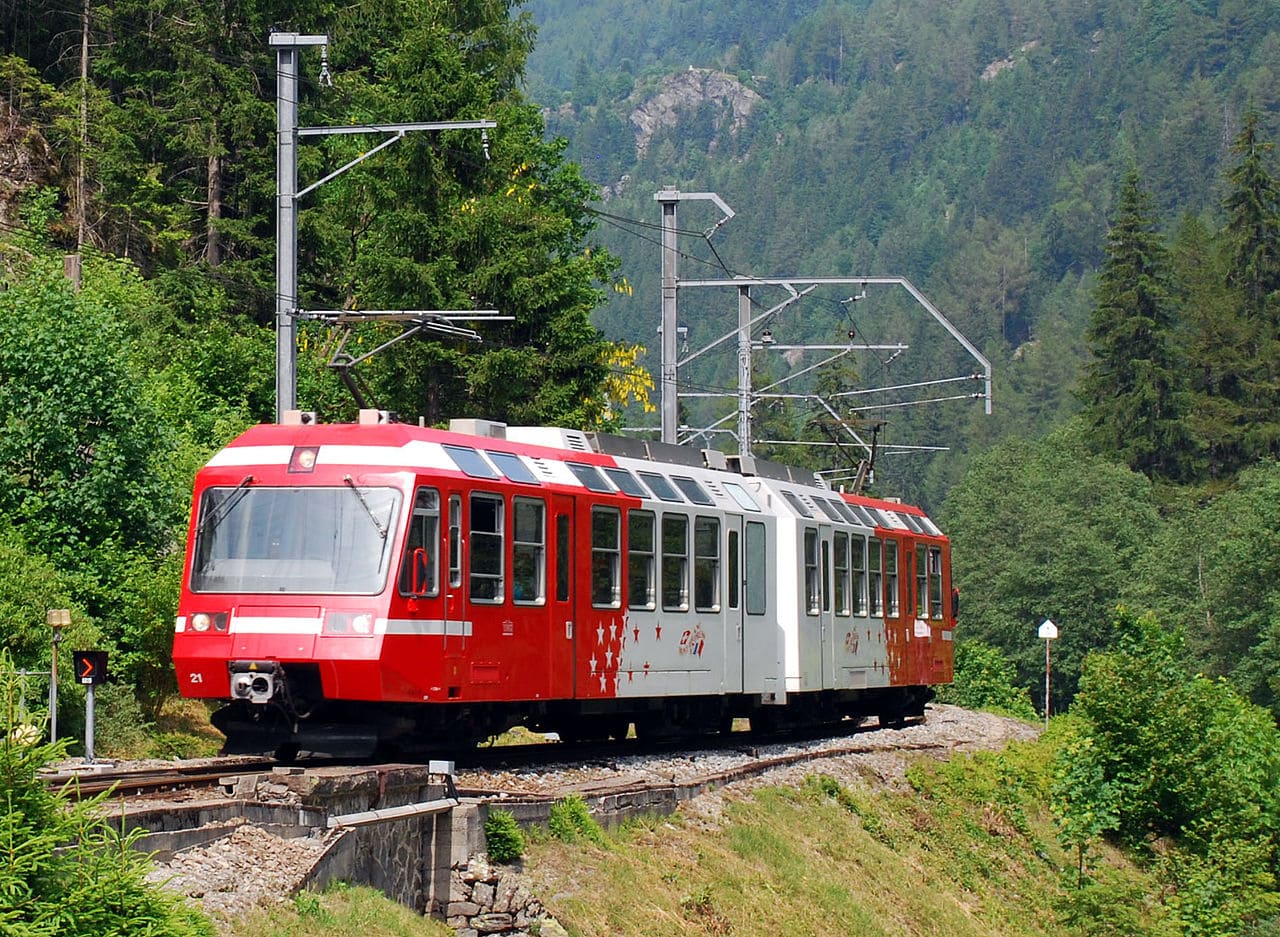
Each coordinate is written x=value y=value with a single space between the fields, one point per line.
x=733 y=606
x=811 y=632
x=921 y=629
x=826 y=615
x=764 y=649
x=563 y=633
x=455 y=595
x=895 y=634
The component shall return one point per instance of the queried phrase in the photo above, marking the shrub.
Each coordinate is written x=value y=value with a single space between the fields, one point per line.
x=986 y=679
x=571 y=820
x=97 y=888
x=503 y=837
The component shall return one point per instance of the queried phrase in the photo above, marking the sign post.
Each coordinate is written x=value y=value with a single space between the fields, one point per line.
x=91 y=669
x=57 y=618
x=1048 y=631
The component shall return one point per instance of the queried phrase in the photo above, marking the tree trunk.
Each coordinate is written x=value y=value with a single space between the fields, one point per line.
x=213 y=213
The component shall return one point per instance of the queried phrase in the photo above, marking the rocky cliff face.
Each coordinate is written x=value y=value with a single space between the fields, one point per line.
x=683 y=93
x=26 y=160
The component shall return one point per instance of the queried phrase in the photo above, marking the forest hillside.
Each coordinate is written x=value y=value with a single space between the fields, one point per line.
x=976 y=148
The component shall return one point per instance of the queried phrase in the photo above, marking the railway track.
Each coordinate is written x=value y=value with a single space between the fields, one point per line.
x=542 y=771
x=86 y=781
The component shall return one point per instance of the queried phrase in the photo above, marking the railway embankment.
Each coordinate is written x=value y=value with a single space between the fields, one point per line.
x=416 y=832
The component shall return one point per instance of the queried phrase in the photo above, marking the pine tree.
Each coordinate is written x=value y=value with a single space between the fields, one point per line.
x=1252 y=235
x=1253 y=226
x=1131 y=389
x=1216 y=344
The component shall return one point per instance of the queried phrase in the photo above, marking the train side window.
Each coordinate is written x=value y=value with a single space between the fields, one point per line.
x=829 y=509
x=471 y=462
x=922 y=582
x=757 y=568
x=606 y=558
x=826 y=576
x=455 y=541
x=641 y=560
x=511 y=466
x=794 y=500
x=891 y=579
x=692 y=490
x=741 y=495
x=812 y=588
x=875 y=575
x=706 y=564
x=420 y=569
x=675 y=562
x=841 y=550
x=562 y=557
x=486 y=547
x=935 y=582
x=626 y=482
x=590 y=477
x=528 y=551
x=661 y=487
x=858 y=553
x=735 y=577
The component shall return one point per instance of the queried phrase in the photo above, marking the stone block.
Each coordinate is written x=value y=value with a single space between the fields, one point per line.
x=482 y=895
x=495 y=922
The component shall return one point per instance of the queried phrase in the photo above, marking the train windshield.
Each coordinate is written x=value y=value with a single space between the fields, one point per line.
x=310 y=540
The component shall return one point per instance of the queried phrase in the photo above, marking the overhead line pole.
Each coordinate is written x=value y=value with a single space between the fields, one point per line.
x=668 y=381
x=289 y=48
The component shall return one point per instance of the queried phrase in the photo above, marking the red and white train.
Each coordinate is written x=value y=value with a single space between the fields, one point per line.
x=383 y=584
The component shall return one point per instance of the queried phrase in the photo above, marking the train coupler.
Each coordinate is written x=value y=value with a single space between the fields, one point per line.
x=255 y=681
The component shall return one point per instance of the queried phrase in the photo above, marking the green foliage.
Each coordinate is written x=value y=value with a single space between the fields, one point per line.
x=570 y=820
x=1188 y=756
x=1043 y=530
x=307 y=906
x=1085 y=802
x=1160 y=753
x=121 y=730
x=1208 y=572
x=986 y=679
x=77 y=443
x=180 y=745
x=503 y=837
x=96 y=888
x=1103 y=909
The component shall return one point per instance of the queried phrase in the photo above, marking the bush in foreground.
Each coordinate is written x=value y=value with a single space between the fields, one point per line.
x=64 y=870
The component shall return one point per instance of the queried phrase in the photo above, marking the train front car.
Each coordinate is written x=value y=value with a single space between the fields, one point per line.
x=289 y=575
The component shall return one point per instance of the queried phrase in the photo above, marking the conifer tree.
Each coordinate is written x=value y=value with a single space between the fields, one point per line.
x=1131 y=389
x=1253 y=226
x=1215 y=339
x=1252 y=236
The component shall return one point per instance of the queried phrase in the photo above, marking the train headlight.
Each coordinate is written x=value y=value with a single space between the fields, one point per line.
x=207 y=621
x=357 y=623
x=303 y=459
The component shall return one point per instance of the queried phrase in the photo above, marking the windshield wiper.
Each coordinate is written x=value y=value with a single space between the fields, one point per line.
x=219 y=514
x=382 y=531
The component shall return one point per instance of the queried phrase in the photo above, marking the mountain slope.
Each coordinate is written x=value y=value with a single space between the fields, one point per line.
x=972 y=147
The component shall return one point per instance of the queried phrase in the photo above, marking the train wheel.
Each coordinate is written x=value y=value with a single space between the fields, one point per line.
x=892 y=720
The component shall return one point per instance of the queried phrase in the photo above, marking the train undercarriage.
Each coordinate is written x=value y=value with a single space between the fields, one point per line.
x=282 y=713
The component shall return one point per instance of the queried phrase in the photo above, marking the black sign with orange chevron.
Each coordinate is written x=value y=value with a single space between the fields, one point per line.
x=90 y=666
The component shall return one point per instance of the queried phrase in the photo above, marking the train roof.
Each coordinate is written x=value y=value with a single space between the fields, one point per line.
x=542 y=442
